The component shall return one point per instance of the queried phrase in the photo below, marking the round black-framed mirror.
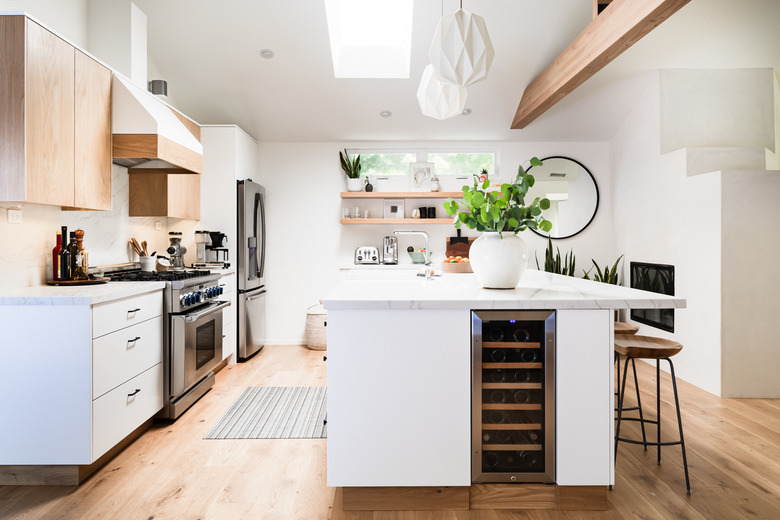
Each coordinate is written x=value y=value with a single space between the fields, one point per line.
x=573 y=194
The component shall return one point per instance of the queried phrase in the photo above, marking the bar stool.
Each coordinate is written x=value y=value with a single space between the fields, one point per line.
x=645 y=347
x=622 y=327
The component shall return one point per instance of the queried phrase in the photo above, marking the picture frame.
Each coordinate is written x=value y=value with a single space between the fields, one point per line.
x=394 y=208
x=420 y=175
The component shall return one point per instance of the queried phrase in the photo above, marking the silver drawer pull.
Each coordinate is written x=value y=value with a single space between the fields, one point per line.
x=136 y=391
x=129 y=341
x=133 y=311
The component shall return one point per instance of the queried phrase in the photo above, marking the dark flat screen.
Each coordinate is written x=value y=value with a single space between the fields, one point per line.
x=657 y=278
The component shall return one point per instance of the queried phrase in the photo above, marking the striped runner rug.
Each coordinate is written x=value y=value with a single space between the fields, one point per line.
x=274 y=412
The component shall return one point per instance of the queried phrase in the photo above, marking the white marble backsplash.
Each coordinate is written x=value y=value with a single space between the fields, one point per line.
x=26 y=252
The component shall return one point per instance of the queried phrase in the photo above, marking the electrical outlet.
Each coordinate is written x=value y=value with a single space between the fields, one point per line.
x=14 y=216
x=157 y=225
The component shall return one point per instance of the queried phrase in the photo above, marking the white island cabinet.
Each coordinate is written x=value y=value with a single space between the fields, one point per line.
x=399 y=375
x=84 y=371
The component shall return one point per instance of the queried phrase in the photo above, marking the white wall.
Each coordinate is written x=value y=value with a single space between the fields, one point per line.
x=307 y=245
x=663 y=216
x=67 y=17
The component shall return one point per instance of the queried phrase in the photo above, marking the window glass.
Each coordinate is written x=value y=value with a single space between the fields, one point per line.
x=392 y=163
x=462 y=163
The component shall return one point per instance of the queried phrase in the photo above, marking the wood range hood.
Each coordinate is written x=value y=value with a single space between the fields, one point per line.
x=150 y=135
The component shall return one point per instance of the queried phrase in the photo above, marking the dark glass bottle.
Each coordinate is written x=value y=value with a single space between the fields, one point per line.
x=64 y=256
x=73 y=253
x=55 y=258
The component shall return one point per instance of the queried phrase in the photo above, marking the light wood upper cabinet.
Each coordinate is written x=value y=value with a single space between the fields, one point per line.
x=93 y=134
x=155 y=193
x=55 y=129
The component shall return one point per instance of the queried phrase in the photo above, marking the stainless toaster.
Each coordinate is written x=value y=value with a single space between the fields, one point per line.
x=366 y=255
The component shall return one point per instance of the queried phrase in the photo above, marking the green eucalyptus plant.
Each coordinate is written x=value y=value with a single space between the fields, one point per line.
x=501 y=210
x=350 y=166
x=553 y=264
x=607 y=275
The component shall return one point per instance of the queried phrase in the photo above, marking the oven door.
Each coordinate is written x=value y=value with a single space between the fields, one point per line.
x=196 y=346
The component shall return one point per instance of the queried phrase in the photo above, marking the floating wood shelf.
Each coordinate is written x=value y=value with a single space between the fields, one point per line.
x=401 y=195
x=396 y=221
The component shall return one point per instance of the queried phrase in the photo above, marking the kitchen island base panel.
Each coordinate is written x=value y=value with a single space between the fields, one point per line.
x=483 y=497
x=399 y=398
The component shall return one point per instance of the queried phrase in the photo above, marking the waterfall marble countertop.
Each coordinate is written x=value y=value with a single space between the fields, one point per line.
x=536 y=290
x=76 y=294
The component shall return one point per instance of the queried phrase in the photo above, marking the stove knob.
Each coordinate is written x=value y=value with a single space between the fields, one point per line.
x=212 y=292
x=182 y=301
x=221 y=290
x=197 y=297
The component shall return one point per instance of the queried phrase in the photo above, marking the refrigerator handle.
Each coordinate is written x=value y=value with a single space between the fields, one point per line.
x=258 y=295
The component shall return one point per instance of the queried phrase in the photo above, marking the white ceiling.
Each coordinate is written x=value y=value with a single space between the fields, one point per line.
x=210 y=58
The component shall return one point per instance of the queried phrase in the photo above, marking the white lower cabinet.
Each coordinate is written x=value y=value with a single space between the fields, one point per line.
x=125 y=408
x=228 y=281
x=80 y=376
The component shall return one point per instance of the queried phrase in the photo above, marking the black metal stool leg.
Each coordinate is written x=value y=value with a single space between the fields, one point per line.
x=639 y=403
x=679 y=424
x=620 y=407
x=658 y=404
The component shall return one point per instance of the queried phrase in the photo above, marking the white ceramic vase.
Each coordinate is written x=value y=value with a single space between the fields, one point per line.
x=354 y=184
x=498 y=262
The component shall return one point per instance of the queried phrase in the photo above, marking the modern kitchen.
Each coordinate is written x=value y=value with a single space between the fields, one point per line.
x=208 y=314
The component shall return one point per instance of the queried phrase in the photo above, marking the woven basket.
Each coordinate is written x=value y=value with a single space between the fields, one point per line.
x=316 y=334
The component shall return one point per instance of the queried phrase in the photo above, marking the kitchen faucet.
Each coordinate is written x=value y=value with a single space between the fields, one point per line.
x=423 y=233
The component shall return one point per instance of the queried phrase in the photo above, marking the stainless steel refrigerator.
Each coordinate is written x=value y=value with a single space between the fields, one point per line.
x=251 y=319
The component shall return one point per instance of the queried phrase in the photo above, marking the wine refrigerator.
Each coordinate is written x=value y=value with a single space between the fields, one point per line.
x=513 y=396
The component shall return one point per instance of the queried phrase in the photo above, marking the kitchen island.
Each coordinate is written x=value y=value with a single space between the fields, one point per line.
x=400 y=382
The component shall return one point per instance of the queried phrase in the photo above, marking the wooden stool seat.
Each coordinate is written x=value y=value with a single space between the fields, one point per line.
x=622 y=327
x=645 y=347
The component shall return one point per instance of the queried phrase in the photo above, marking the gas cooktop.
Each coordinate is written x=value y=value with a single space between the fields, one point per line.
x=155 y=276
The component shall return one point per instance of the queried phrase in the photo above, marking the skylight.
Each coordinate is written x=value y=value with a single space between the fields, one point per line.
x=370 y=38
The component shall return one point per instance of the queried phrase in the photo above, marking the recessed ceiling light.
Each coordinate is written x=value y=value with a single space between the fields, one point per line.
x=267 y=54
x=466 y=112
x=385 y=114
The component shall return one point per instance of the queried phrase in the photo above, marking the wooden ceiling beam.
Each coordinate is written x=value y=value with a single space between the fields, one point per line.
x=604 y=39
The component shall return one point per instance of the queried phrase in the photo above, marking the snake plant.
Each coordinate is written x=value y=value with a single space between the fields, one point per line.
x=350 y=166
x=607 y=275
x=553 y=264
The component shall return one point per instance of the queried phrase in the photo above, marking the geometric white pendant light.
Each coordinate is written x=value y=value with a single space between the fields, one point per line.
x=461 y=52
x=440 y=100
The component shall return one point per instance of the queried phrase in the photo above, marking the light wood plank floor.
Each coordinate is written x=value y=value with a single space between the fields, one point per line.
x=172 y=473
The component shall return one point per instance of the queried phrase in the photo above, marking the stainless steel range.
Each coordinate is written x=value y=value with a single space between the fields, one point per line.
x=193 y=329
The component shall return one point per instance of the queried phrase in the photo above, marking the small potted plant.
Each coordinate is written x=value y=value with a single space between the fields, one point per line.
x=351 y=167
x=499 y=257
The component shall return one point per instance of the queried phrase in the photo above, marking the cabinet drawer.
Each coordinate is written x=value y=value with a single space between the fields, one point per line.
x=122 y=355
x=118 y=314
x=117 y=413
x=229 y=313
x=228 y=281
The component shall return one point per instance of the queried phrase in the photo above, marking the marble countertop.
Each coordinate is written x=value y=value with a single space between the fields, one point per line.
x=76 y=294
x=536 y=290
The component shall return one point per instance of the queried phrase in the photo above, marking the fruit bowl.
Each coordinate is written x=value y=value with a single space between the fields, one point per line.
x=458 y=267
x=417 y=257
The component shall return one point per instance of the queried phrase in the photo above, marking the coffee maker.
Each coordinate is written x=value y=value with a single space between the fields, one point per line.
x=217 y=252
x=390 y=250
x=202 y=241
x=176 y=251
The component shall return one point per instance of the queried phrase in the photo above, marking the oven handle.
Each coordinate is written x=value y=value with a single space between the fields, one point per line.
x=189 y=318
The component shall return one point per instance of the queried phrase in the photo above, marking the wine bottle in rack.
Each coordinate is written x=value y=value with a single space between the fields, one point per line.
x=495 y=334
x=496 y=417
x=497 y=396
x=521 y=396
x=497 y=355
x=496 y=376
x=490 y=459
x=528 y=459
x=521 y=335
x=529 y=355
x=521 y=376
